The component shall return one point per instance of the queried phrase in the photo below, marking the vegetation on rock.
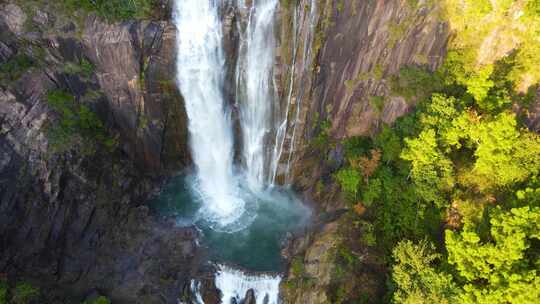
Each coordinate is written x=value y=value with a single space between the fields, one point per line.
x=454 y=199
x=77 y=125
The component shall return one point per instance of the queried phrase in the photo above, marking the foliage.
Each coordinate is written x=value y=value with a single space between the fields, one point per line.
x=462 y=160
x=357 y=146
x=112 y=10
x=483 y=29
x=99 y=300
x=377 y=102
x=415 y=277
x=24 y=293
x=368 y=233
x=3 y=291
x=503 y=263
x=297 y=266
x=389 y=143
x=83 y=68
x=431 y=171
x=367 y=165
x=414 y=82
x=14 y=68
x=349 y=180
x=77 y=126
x=504 y=153
x=322 y=139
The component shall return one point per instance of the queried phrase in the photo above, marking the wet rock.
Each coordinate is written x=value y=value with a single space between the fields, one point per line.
x=350 y=63
x=250 y=297
x=135 y=68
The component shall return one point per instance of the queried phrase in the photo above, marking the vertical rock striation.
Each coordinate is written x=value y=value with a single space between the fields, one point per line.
x=73 y=221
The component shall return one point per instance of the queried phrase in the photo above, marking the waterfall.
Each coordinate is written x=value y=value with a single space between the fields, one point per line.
x=307 y=59
x=281 y=133
x=200 y=76
x=255 y=90
x=201 y=73
x=234 y=285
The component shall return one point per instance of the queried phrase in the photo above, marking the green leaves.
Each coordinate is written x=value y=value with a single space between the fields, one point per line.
x=431 y=171
x=76 y=126
x=416 y=279
x=99 y=300
x=113 y=10
x=349 y=179
x=500 y=262
x=14 y=68
x=24 y=293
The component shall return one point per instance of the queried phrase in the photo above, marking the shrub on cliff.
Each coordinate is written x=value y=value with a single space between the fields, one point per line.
x=3 y=291
x=77 y=125
x=99 y=300
x=14 y=68
x=113 y=10
x=24 y=293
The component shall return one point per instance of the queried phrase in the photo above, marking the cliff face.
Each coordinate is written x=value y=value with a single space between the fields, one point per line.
x=71 y=221
x=346 y=54
x=337 y=75
x=135 y=68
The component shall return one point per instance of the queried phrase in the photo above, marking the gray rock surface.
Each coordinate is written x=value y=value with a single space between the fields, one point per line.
x=74 y=223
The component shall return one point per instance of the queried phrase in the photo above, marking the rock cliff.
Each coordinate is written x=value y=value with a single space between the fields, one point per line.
x=336 y=62
x=71 y=214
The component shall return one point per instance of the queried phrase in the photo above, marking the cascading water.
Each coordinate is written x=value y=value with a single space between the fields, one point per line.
x=225 y=209
x=200 y=76
x=309 y=23
x=254 y=84
x=234 y=284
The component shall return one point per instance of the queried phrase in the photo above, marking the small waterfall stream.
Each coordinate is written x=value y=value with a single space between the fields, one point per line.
x=231 y=195
x=234 y=284
x=255 y=90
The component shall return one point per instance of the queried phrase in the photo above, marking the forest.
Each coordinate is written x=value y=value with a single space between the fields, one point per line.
x=452 y=189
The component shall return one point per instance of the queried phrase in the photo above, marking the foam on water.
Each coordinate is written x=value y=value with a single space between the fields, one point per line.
x=234 y=284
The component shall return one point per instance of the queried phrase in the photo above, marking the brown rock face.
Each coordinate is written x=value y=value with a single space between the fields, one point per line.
x=343 y=64
x=339 y=71
x=73 y=222
x=135 y=67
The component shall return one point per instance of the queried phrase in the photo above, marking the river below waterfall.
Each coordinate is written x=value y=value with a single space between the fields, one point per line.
x=274 y=213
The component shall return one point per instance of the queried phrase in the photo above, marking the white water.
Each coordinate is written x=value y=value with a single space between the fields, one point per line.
x=234 y=284
x=255 y=96
x=200 y=76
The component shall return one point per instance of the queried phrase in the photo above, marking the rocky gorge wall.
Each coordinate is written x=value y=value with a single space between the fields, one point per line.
x=72 y=220
x=341 y=72
x=356 y=47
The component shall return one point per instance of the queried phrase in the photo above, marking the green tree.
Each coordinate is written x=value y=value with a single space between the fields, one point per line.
x=389 y=143
x=499 y=270
x=349 y=180
x=415 y=277
x=503 y=153
x=431 y=171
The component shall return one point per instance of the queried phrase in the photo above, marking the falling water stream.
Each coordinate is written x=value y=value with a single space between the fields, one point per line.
x=255 y=90
x=243 y=218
